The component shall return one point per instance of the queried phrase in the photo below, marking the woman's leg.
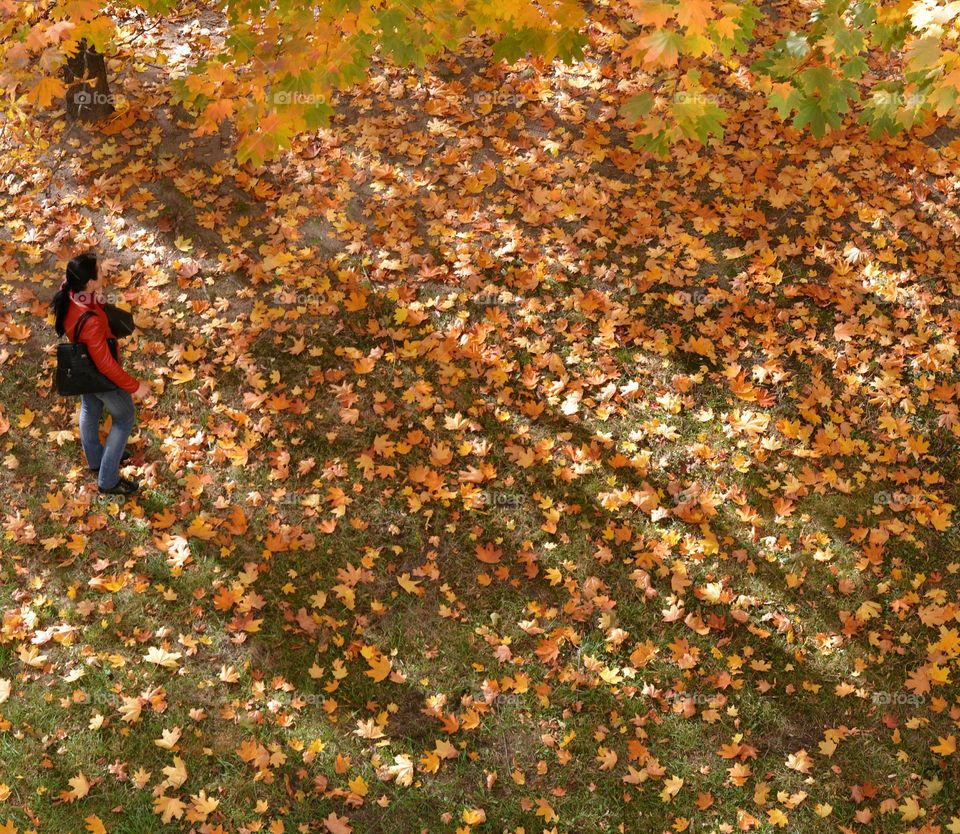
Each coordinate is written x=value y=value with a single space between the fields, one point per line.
x=120 y=405
x=90 y=410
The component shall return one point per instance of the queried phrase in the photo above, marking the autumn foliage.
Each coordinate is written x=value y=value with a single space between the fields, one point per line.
x=499 y=474
x=272 y=69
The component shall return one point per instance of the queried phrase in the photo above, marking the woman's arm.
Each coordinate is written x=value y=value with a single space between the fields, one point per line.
x=95 y=338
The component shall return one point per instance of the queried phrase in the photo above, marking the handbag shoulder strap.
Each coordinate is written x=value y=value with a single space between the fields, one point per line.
x=80 y=322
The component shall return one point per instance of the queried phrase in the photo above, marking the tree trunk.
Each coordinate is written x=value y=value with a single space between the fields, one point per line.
x=89 y=99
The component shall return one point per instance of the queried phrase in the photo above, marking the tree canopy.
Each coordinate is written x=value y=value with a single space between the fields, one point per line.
x=274 y=72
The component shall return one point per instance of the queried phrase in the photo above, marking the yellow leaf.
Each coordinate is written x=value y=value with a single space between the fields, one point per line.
x=694 y=14
x=176 y=773
x=445 y=750
x=946 y=747
x=544 y=810
x=380 y=664
x=430 y=762
x=671 y=787
x=359 y=786
x=201 y=528
x=910 y=809
x=162 y=657
x=79 y=788
x=95 y=824
x=169 y=807
x=140 y=777
x=46 y=90
x=130 y=709
x=800 y=761
x=201 y=807
x=409 y=585
x=402 y=770
x=702 y=346
x=169 y=738
x=183 y=376
x=337 y=825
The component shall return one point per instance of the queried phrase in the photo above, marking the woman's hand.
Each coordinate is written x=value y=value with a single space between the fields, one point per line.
x=143 y=390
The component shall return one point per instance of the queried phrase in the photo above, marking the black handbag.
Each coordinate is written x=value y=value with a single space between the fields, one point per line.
x=77 y=373
x=121 y=321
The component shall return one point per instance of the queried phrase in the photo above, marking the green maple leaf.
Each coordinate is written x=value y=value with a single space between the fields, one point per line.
x=710 y=123
x=810 y=112
x=397 y=39
x=740 y=41
x=847 y=41
x=880 y=117
x=922 y=60
x=518 y=43
x=242 y=41
x=636 y=107
x=568 y=45
x=318 y=115
x=783 y=58
x=785 y=102
x=855 y=68
x=158 y=6
x=656 y=143
x=888 y=37
x=818 y=80
x=864 y=13
x=943 y=99
x=826 y=98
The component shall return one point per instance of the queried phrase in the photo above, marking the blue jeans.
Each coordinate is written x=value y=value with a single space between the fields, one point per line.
x=106 y=456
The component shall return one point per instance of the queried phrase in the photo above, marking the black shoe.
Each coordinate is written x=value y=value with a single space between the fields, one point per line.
x=122 y=487
x=123 y=457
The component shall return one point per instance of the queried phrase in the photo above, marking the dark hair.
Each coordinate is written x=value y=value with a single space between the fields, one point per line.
x=80 y=271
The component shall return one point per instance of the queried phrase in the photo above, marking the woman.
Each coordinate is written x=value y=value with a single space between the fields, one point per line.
x=77 y=294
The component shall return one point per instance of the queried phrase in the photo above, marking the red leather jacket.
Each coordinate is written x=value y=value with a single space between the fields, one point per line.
x=94 y=335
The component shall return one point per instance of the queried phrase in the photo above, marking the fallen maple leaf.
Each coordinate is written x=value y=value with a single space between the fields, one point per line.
x=337 y=825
